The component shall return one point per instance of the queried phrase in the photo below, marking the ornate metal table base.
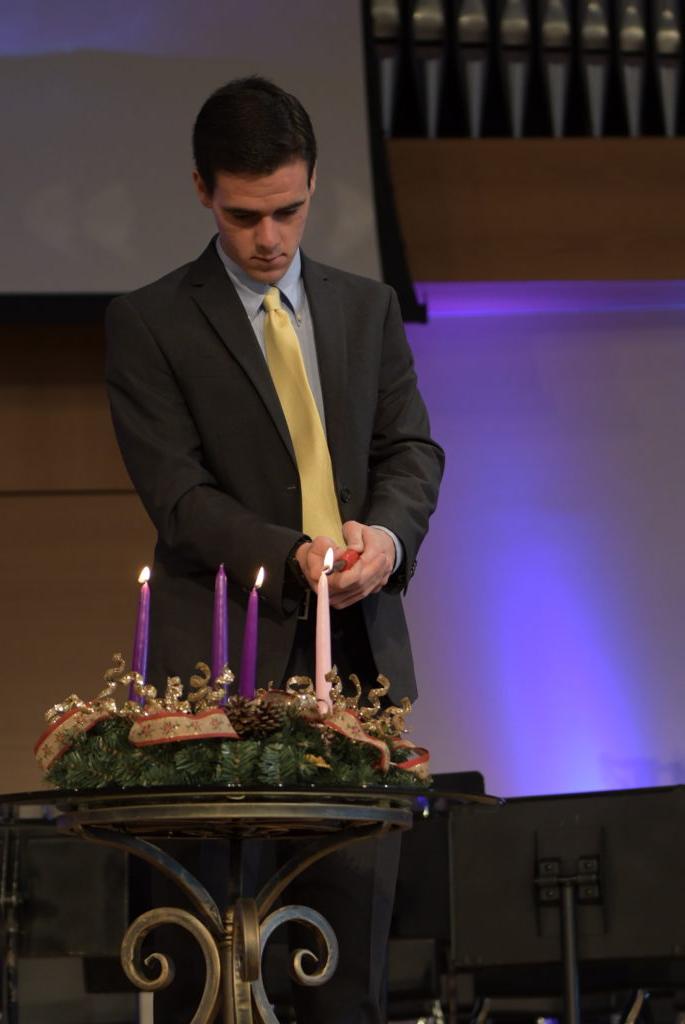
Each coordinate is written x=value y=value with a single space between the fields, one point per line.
x=233 y=943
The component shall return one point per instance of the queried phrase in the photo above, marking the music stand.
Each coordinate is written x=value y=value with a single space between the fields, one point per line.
x=592 y=883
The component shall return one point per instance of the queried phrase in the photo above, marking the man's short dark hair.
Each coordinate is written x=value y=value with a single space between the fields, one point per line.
x=251 y=126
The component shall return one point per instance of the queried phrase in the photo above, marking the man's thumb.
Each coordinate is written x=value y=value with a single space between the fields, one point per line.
x=352 y=532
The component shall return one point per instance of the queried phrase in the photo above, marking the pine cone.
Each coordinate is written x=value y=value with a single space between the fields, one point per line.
x=241 y=714
x=269 y=717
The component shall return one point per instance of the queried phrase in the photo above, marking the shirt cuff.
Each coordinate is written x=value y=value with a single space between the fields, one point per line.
x=399 y=549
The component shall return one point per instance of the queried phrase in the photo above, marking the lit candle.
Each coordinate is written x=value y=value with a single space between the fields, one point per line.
x=220 y=625
x=140 y=640
x=248 y=660
x=323 y=634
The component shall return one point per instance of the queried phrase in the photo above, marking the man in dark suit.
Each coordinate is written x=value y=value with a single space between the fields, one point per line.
x=217 y=452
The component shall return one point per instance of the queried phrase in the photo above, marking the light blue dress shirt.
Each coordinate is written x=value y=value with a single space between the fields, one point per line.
x=291 y=286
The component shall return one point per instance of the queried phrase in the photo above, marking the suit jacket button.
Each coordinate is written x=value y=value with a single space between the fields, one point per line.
x=345 y=495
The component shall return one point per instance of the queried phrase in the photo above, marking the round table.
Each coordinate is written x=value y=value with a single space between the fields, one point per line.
x=233 y=938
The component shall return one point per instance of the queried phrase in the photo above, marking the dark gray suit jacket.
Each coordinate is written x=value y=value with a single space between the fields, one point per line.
x=204 y=439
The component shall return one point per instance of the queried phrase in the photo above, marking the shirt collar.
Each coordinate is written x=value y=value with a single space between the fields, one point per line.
x=252 y=292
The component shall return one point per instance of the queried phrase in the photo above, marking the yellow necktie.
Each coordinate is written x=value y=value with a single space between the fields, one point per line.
x=320 y=513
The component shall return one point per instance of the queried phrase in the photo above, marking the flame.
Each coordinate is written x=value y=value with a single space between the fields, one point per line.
x=144 y=575
x=260 y=578
x=328 y=561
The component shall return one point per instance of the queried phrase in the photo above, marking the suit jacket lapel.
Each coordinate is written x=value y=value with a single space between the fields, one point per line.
x=329 y=334
x=217 y=298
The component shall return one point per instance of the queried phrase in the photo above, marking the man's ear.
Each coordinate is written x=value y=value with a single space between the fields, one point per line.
x=203 y=193
x=312 y=181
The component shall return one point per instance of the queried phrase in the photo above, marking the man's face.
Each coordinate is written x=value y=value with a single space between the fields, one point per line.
x=260 y=218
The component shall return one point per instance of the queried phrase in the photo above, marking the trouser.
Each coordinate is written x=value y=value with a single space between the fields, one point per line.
x=354 y=889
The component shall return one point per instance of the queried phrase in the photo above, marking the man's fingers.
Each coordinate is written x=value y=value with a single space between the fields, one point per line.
x=347 y=580
x=370 y=573
x=311 y=556
x=321 y=544
x=367 y=577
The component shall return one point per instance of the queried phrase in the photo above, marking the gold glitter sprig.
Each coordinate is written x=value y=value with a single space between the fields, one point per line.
x=298 y=697
x=205 y=693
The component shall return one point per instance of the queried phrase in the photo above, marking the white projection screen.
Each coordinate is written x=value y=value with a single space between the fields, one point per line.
x=98 y=101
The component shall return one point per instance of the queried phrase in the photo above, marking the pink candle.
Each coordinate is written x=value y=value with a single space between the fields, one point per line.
x=248 y=659
x=220 y=625
x=140 y=640
x=323 y=635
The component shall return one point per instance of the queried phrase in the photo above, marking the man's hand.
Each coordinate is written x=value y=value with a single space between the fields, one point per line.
x=310 y=556
x=370 y=573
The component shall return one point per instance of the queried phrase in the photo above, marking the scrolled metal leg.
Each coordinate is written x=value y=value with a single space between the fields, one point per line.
x=131 y=957
x=246 y=938
x=326 y=969
x=232 y=943
x=242 y=960
x=274 y=888
x=166 y=865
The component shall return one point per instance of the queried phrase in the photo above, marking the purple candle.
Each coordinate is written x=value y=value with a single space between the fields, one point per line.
x=248 y=660
x=220 y=626
x=140 y=640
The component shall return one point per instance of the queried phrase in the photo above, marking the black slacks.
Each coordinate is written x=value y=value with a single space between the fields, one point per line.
x=354 y=889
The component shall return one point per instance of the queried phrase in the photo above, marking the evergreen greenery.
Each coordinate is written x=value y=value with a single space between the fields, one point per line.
x=296 y=754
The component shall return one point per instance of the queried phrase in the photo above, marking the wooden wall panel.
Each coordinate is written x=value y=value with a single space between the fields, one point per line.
x=541 y=209
x=68 y=594
x=55 y=429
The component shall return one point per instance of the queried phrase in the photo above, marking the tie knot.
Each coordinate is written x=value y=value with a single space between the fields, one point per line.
x=272 y=300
